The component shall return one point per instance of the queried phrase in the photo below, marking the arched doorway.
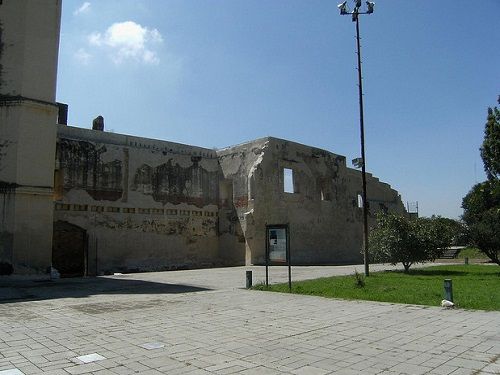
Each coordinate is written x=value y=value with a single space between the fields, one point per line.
x=69 y=248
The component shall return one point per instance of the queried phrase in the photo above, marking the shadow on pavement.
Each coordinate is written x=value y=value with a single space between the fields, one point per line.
x=13 y=291
x=428 y=272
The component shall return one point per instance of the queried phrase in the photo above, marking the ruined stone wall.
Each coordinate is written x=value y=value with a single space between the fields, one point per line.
x=322 y=209
x=145 y=204
x=236 y=164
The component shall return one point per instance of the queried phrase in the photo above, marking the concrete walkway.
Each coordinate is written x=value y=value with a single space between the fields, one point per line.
x=203 y=322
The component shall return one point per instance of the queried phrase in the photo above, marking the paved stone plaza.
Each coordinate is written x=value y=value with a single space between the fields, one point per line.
x=204 y=322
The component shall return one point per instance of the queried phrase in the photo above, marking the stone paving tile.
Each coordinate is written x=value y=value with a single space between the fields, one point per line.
x=229 y=330
x=11 y=371
x=492 y=368
x=309 y=370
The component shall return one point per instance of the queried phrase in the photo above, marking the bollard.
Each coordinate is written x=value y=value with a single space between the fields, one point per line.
x=249 y=279
x=448 y=290
x=466 y=260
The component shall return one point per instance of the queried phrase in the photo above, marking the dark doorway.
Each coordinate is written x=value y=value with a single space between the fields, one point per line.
x=69 y=246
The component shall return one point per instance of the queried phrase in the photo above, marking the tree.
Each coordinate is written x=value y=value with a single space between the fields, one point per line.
x=455 y=228
x=400 y=239
x=482 y=204
x=490 y=150
x=482 y=216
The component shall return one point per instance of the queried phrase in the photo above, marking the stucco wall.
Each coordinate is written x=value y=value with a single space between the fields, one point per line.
x=322 y=212
x=145 y=204
x=29 y=38
x=29 y=47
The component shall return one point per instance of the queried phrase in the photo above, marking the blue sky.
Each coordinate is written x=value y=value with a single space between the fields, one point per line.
x=215 y=73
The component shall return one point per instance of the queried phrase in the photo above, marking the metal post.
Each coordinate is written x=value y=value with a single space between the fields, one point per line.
x=267 y=274
x=448 y=290
x=466 y=260
x=249 y=279
x=289 y=258
x=96 y=259
x=267 y=256
x=363 y=156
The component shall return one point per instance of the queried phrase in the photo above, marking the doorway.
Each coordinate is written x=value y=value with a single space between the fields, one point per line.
x=69 y=249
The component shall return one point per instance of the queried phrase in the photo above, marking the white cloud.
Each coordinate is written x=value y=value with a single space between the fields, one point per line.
x=83 y=56
x=84 y=8
x=128 y=41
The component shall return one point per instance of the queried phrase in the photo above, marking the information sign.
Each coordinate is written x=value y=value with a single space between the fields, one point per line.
x=278 y=249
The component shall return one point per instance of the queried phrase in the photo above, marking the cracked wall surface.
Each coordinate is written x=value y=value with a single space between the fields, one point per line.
x=322 y=212
x=153 y=205
x=145 y=204
x=29 y=41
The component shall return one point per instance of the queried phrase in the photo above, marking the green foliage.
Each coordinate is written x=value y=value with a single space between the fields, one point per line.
x=471 y=253
x=454 y=228
x=490 y=150
x=482 y=216
x=359 y=279
x=400 y=239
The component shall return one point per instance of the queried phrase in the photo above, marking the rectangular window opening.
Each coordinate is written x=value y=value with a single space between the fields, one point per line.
x=360 y=201
x=288 y=180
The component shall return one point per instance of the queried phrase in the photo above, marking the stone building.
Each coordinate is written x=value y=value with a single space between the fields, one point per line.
x=88 y=202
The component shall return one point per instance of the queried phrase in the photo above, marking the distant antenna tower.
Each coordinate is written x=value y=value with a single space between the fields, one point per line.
x=412 y=209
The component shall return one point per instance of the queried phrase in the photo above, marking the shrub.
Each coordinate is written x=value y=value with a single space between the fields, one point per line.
x=400 y=239
x=359 y=279
x=482 y=216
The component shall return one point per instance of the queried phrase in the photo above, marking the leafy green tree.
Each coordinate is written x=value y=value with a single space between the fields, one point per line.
x=482 y=216
x=401 y=239
x=490 y=150
x=482 y=204
x=454 y=228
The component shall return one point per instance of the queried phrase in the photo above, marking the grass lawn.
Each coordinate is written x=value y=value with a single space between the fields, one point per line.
x=474 y=286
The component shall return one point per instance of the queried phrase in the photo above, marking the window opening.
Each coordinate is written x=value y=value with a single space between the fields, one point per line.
x=288 y=180
x=360 y=201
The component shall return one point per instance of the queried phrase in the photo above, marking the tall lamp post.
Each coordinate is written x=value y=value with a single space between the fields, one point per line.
x=344 y=10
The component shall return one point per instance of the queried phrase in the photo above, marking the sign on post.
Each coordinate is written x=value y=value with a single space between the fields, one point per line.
x=278 y=249
x=277 y=245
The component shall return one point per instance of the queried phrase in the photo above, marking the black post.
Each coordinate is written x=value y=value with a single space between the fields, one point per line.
x=448 y=290
x=96 y=261
x=289 y=257
x=363 y=156
x=248 y=279
x=267 y=256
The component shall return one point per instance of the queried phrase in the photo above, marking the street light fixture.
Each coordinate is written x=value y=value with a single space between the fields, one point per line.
x=344 y=10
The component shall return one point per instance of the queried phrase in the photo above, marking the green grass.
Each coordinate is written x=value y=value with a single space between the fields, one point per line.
x=474 y=286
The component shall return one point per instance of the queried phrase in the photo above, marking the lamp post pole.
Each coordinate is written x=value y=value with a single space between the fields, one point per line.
x=363 y=157
x=355 y=17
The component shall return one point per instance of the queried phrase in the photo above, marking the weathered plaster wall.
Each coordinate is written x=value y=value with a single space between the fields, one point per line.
x=145 y=204
x=29 y=38
x=28 y=48
x=325 y=221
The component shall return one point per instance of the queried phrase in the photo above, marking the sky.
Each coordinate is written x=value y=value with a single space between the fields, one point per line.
x=215 y=73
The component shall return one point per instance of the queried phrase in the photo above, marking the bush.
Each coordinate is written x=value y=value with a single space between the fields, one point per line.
x=359 y=279
x=454 y=228
x=482 y=216
x=400 y=239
